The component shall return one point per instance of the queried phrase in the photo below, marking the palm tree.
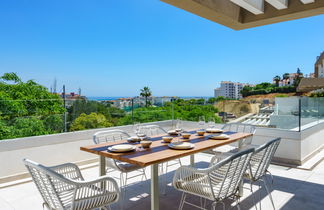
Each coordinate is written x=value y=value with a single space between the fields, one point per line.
x=285 y=77
x=277 y=79
x=146 y=92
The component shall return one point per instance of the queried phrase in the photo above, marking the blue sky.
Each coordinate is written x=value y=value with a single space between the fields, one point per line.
x=114 y=48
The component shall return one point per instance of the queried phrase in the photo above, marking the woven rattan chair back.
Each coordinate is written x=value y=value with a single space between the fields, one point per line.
x=262 y=157
x=217 y=182
x=55 y=192
x=243 y=128
x=109 y=136
x=153 y=130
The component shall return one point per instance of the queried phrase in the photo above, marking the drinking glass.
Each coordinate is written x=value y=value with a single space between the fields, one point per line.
x=201 y=122
x=211 y=122
x=178 y=125
x=137 y=128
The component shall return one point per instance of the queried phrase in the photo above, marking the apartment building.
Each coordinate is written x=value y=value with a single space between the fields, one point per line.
x=319 y=66
x=229 y=89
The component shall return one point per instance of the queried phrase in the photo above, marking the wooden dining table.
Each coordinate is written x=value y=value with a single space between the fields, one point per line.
x=158 y=153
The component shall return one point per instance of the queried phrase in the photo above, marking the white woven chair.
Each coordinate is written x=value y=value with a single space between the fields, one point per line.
x=221 y=152
x=215 y=183
x=115 y=165
x=154 y=130
x=259 y=165
x=63 y=187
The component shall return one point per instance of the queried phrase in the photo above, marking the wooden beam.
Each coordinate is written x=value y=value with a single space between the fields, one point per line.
x=253 y=6
x=278 y=4
x=308 y=1
x=295 y=10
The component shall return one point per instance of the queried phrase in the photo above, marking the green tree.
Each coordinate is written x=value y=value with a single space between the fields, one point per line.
x=80 y=106
x=211 y=100
x=277 y=80
x=26 y=106
x=146 y=92
x=93 y=120
x=298 y=77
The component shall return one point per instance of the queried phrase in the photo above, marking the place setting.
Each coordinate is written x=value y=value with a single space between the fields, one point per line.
x=213 y=132
x=139 y=136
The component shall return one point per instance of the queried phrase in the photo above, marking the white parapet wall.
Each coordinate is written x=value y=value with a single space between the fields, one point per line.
x=54 y=149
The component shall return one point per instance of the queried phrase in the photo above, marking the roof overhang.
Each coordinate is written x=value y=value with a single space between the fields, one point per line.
x=243 y=14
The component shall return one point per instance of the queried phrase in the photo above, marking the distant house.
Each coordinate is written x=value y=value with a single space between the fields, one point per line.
x=287 y=82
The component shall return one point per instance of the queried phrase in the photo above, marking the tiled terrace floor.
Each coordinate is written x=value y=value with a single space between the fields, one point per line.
x=294 y=189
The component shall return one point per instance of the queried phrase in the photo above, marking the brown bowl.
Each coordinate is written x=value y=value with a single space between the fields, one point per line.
x=186 y=135
x=201 y=133
x=146 y=144
x=167 y=139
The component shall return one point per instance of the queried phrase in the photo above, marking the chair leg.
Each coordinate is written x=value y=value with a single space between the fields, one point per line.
x=260 y=195
x=183 y=198
x=253 y=195
x=272 y=180
x=238 y=203
x=268 y=192
x=144 y=174
x=122 y=197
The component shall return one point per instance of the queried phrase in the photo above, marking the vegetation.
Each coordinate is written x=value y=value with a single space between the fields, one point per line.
x=93 y=120
x=112 y=114
x=317 y=93
x=182 y=109
x=27 y=108
x=146 y=92
x=266 y=88
x=277 y=80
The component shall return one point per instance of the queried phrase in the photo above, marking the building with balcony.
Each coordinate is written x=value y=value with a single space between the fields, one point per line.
x=229 y=89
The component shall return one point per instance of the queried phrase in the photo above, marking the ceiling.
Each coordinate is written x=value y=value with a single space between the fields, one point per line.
x=243 y=14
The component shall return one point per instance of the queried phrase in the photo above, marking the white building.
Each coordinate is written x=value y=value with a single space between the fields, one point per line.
x=319 y=66
x=230 y=90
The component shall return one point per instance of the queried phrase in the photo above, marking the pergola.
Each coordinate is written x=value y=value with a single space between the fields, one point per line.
x=243 y=14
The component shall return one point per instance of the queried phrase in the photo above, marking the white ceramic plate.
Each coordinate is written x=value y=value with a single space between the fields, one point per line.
x=181 y=145
x=214 y=130
x=220 y=137
x=122 y=148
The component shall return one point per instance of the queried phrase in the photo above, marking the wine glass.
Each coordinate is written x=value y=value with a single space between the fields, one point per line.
x=137 y=128
x=211 y=122
x=178 y=125
x=201 y=122
x=178 y=128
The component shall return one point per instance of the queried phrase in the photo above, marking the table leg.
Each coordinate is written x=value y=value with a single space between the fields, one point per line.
x=240 y=145
x=155 y=187
x=102 y=166
x=192 y=160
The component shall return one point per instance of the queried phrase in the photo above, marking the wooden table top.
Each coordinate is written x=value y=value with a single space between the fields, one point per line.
x=159 y=151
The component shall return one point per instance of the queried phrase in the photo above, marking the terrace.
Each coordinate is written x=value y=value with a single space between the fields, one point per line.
x=295 y=187
x=297 y=166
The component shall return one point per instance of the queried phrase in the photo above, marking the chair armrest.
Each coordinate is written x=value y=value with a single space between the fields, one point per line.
x=186 y=173
x=68 y=170
x=101 y=187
